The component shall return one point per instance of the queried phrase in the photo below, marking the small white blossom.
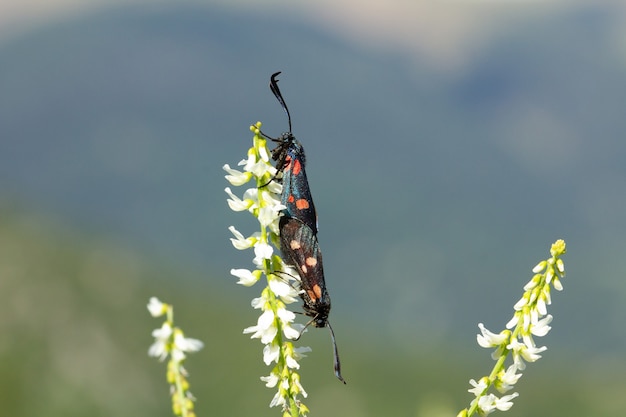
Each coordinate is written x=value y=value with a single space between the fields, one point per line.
x=271 y=353
x=549 y=274
x=522 y=352
x=156 y=307
x=521 y=303
x=246 y=278
x=488 y=339
x=268 y=215
x=265 y=329
x=504 y=403
x=556 y=283
x=487 y=403
x=184 y=344
x=240 y=241
x=479 y=387
x=262 y=252
x=159 y=347
x=281 y=288
x=541 y=328
x=540 y=267
x=235 y=177
x=278 y=400
x=237 y=204
x=270 y=381
x=506 y=380
x=513 y=322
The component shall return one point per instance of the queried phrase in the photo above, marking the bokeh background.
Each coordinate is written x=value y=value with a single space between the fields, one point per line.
x=448 y=144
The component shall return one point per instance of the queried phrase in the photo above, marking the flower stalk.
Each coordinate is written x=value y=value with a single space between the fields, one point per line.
x=275 y=326
x=171 y=341
x=530 y=320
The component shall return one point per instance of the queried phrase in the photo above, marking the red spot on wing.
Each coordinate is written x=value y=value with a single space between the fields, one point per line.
x=291 y=199
x=297 y=167
x=287 y=163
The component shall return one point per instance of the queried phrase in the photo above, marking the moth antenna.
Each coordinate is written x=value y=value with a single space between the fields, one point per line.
x=337 y=364
x=304 y=328
x=279 y=96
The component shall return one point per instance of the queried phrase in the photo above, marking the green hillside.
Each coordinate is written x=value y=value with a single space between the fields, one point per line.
x=76 y=332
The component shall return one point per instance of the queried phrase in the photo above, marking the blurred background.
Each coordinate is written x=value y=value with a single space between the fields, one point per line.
x=448 y=144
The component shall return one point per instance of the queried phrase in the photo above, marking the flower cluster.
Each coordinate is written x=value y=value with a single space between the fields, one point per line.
x=275 y=326
x=170 y=340
x=531 y=319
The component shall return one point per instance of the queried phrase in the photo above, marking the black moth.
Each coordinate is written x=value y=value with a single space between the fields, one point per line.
x=298 y=228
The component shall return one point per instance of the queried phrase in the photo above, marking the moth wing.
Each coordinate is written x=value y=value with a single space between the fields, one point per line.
x=301 y=250
x=297 y=193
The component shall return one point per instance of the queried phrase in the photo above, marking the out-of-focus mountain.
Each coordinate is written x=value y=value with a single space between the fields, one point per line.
x=435 y=191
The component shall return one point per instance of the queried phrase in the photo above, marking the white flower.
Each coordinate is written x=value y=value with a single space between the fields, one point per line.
x=281 y=288
x=560 y=266
x=522 y=302
x=162 y=337
x=488 y=339
x=479 y=387
x=513 y=322
x=486 y=403
x=237 y=204
x=556 y=283
x=259 y=302
x=264 y=155
x=297 y=382
x=523 y=352
x=271 y=380
x=235 y=177
x=156 y=307
x=540 y=267
x=184 y=344
x=240 y=241
x=265 y=328
x=506 y=380
x=541 y=328
x=268 y=215
x=286 y=318
x=549 y=274
x=246 y=278
x=271 y=353
x=504 y=403
x=279 y=399
x=262 y=252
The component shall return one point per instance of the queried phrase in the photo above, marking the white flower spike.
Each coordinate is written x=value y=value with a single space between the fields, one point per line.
x=530 y=319
x=170 y=341
x=275 y=327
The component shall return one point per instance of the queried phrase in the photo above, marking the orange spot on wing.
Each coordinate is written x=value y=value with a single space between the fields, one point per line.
x=312 y=295
x=291 y=199
x=302 y=204
x=318 y=291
